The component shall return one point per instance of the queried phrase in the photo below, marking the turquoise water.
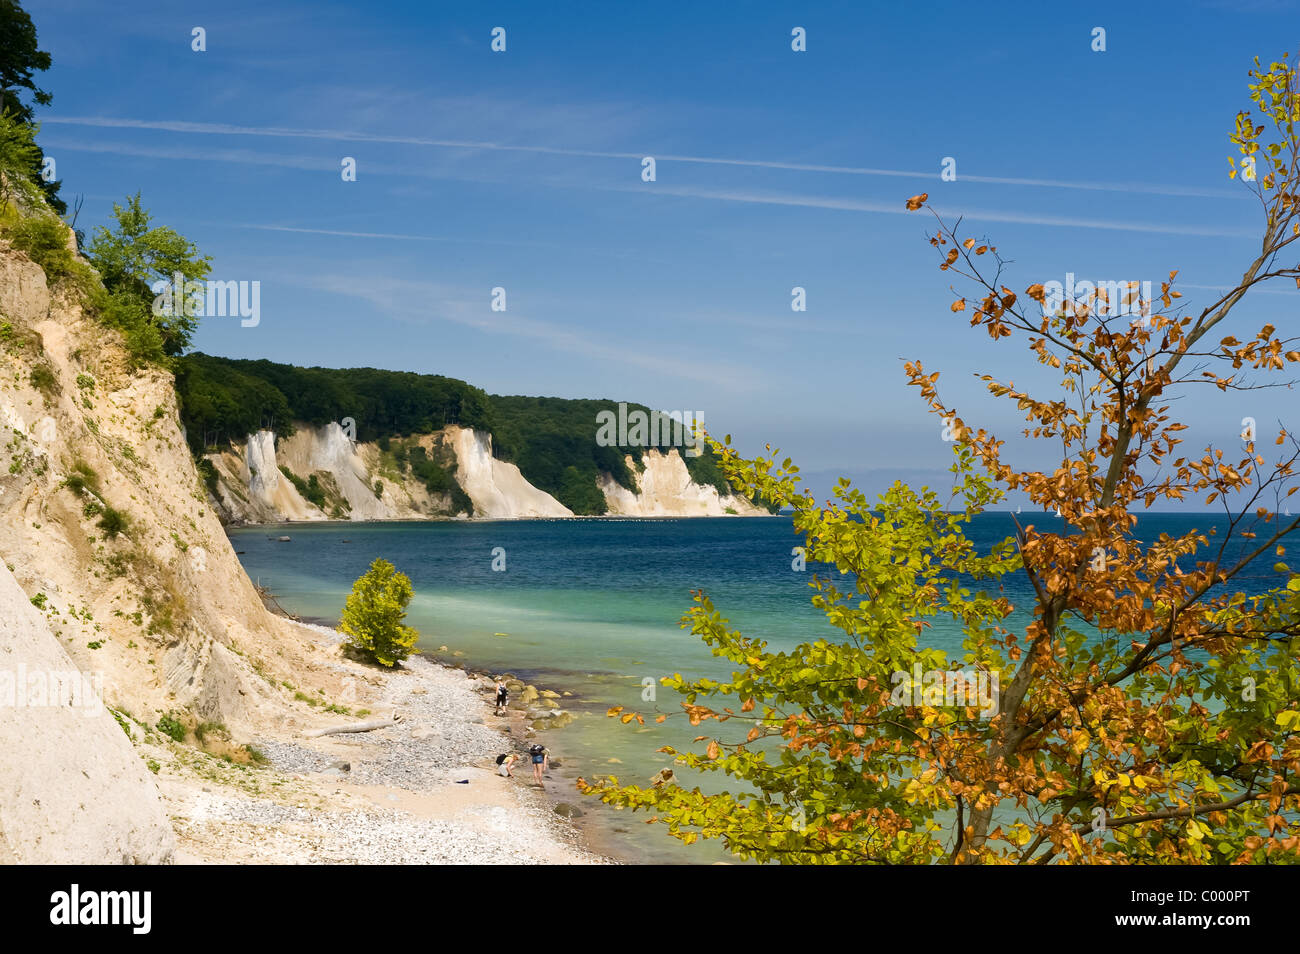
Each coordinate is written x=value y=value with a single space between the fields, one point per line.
x=592 y=607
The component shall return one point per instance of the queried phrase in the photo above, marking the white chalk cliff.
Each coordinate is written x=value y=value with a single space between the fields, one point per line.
x=329 y=450
x=252 y=489
x=497 y=488
x=665 y=489
x=73 y=790
x=160 y=611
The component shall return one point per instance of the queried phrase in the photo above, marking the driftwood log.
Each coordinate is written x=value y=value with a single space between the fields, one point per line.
x=368 y=726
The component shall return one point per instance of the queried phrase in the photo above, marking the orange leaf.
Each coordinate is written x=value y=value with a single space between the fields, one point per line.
x=916 y=201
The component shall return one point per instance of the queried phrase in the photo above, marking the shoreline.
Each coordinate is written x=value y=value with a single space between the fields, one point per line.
x=423 y=790
x=613 y=517
x=519 y=727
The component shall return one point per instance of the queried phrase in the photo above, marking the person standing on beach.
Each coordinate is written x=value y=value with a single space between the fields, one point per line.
x=503 y=696
x=541 y=759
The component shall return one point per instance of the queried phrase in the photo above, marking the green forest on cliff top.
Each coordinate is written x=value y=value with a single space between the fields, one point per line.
x=551 y=440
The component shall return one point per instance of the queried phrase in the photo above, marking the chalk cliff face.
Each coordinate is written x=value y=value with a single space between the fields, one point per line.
x=328 y=450
x=253 y=489
x=496 y=487
x=665 y=489
x=356 y=481
x=108 y=539
x=73 y=790
x=84 y=416
x=267 y=485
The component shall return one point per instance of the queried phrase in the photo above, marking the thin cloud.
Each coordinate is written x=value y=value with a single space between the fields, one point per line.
x=453 y=239
x=374 y=235
x=896 y=208
x=759 y=198
x=239 y=156
x=228 y=129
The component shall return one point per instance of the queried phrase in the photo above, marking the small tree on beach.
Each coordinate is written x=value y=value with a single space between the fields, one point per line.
x=1143 y=707
x=373 y=614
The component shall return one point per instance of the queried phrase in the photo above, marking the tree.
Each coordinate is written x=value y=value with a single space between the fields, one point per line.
x=18 y=155
x=20 y=59
x=373 y=615
x=133 y=257
x=1146 y=709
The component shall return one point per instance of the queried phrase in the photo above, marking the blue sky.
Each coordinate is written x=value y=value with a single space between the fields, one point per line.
x=775 y=169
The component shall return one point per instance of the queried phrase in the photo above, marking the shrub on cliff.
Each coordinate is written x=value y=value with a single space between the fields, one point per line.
x=309 y=489
x=113 y=522
x=373 y=614
x=44 y=239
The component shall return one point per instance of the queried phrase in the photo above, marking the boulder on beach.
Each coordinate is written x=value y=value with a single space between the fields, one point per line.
x=550 y=718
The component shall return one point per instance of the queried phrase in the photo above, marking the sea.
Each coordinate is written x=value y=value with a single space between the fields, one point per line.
x=592 y=608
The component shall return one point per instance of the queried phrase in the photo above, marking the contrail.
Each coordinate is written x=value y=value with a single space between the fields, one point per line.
x=339 y=135
x=897 y=208
x=755 y=198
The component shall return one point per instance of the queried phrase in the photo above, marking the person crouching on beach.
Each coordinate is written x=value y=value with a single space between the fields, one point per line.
x=503 y=696
x=503 y=765
x=541 y=759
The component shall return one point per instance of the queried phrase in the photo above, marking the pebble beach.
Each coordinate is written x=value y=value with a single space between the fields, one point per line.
x=423 y=790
